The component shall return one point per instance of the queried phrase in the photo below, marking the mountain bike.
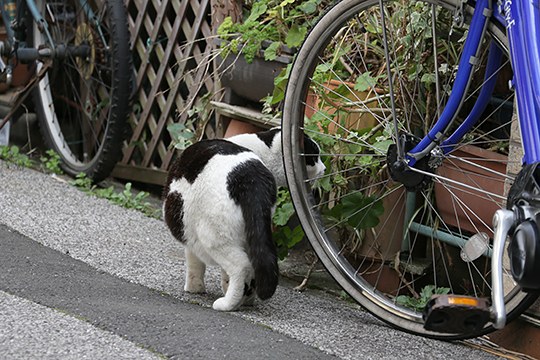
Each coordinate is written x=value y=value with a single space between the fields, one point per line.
x=80 y=57
x=430 y=177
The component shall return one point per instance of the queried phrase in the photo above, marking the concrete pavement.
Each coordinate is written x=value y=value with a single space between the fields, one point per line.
x=114 y=278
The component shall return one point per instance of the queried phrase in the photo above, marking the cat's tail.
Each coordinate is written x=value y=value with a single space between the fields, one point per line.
x=257 y=199
x=263 y=252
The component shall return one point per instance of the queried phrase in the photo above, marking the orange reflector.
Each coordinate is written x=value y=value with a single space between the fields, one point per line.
x=463 y=301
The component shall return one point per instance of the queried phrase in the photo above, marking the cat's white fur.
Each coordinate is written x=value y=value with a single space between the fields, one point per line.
x=271 y=157
x=214 y=229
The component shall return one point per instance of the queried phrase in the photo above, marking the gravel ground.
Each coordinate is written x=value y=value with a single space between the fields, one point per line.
x=127 y=244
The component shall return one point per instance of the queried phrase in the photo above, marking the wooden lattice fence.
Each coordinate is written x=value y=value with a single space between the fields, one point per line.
x=171 y=60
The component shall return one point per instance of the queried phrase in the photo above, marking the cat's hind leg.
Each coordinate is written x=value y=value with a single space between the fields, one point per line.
x=237 y=266
x=195 y=270
x=249 y=290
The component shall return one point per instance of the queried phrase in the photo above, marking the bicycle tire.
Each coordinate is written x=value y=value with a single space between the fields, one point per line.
x=83 y=102
x=338 y=209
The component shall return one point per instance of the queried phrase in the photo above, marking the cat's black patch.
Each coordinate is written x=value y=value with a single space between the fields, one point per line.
x=268 y=136
x=174 y=213
x=311 y=150
x=194 y=158
x=252 y=186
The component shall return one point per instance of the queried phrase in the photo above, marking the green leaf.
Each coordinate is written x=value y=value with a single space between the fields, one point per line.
x=257 y=10
x=271 y=52
x=308 y=7
x=181 y=135
x=297 y=235
x=365 y=81
x=280 y=83
x=283 y=214
x=382 y=146
x=358 y=211
x=325 y=183
x=175 y=129
x=295 y=36
x=428 y=79
x=286 y=2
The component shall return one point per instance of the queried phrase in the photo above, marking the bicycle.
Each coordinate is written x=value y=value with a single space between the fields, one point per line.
x=81 y=85
x=396 y=92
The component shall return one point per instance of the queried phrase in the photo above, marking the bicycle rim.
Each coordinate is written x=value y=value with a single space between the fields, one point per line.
x=391 y=247
x=83 y=100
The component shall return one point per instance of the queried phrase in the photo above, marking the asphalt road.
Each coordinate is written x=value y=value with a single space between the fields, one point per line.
x=82 y=278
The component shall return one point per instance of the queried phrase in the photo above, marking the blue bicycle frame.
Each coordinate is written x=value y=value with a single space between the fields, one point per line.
x=522 y=21
x=523 y=28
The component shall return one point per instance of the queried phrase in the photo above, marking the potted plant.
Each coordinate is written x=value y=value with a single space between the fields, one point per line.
x=257 y=49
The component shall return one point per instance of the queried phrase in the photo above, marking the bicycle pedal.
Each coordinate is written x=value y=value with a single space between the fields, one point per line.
x=456 y=314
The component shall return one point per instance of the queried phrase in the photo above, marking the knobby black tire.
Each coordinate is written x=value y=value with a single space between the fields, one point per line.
x=87 y=120
x=328 y=230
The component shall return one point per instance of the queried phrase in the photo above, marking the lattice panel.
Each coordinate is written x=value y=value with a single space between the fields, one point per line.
x=171 y=59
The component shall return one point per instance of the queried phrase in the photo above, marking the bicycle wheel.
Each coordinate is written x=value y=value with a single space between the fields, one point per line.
x=391 y=246
x=83 y=101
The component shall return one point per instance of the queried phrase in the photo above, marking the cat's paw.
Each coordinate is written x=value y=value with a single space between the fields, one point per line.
x=195 y=287
x=222 y=304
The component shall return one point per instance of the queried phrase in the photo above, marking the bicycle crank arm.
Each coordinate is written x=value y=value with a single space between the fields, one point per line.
x=503 y=220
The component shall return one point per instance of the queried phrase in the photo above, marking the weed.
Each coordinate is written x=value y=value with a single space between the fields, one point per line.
x=419 y=303
x=82 y=182
x=13 y=154
x=125 y=198
x=51 y=162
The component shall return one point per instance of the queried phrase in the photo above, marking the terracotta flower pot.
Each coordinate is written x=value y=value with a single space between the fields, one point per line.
x=383 y=242
x=474 y=209
x=352 y=120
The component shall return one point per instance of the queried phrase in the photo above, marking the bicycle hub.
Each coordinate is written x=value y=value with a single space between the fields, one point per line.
x=400 y=171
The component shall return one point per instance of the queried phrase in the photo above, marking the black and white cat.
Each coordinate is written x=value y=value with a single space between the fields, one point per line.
x=218 y=202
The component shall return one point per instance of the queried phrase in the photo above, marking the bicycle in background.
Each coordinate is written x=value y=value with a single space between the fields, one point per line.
x=80 y=55
x=429 y=176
